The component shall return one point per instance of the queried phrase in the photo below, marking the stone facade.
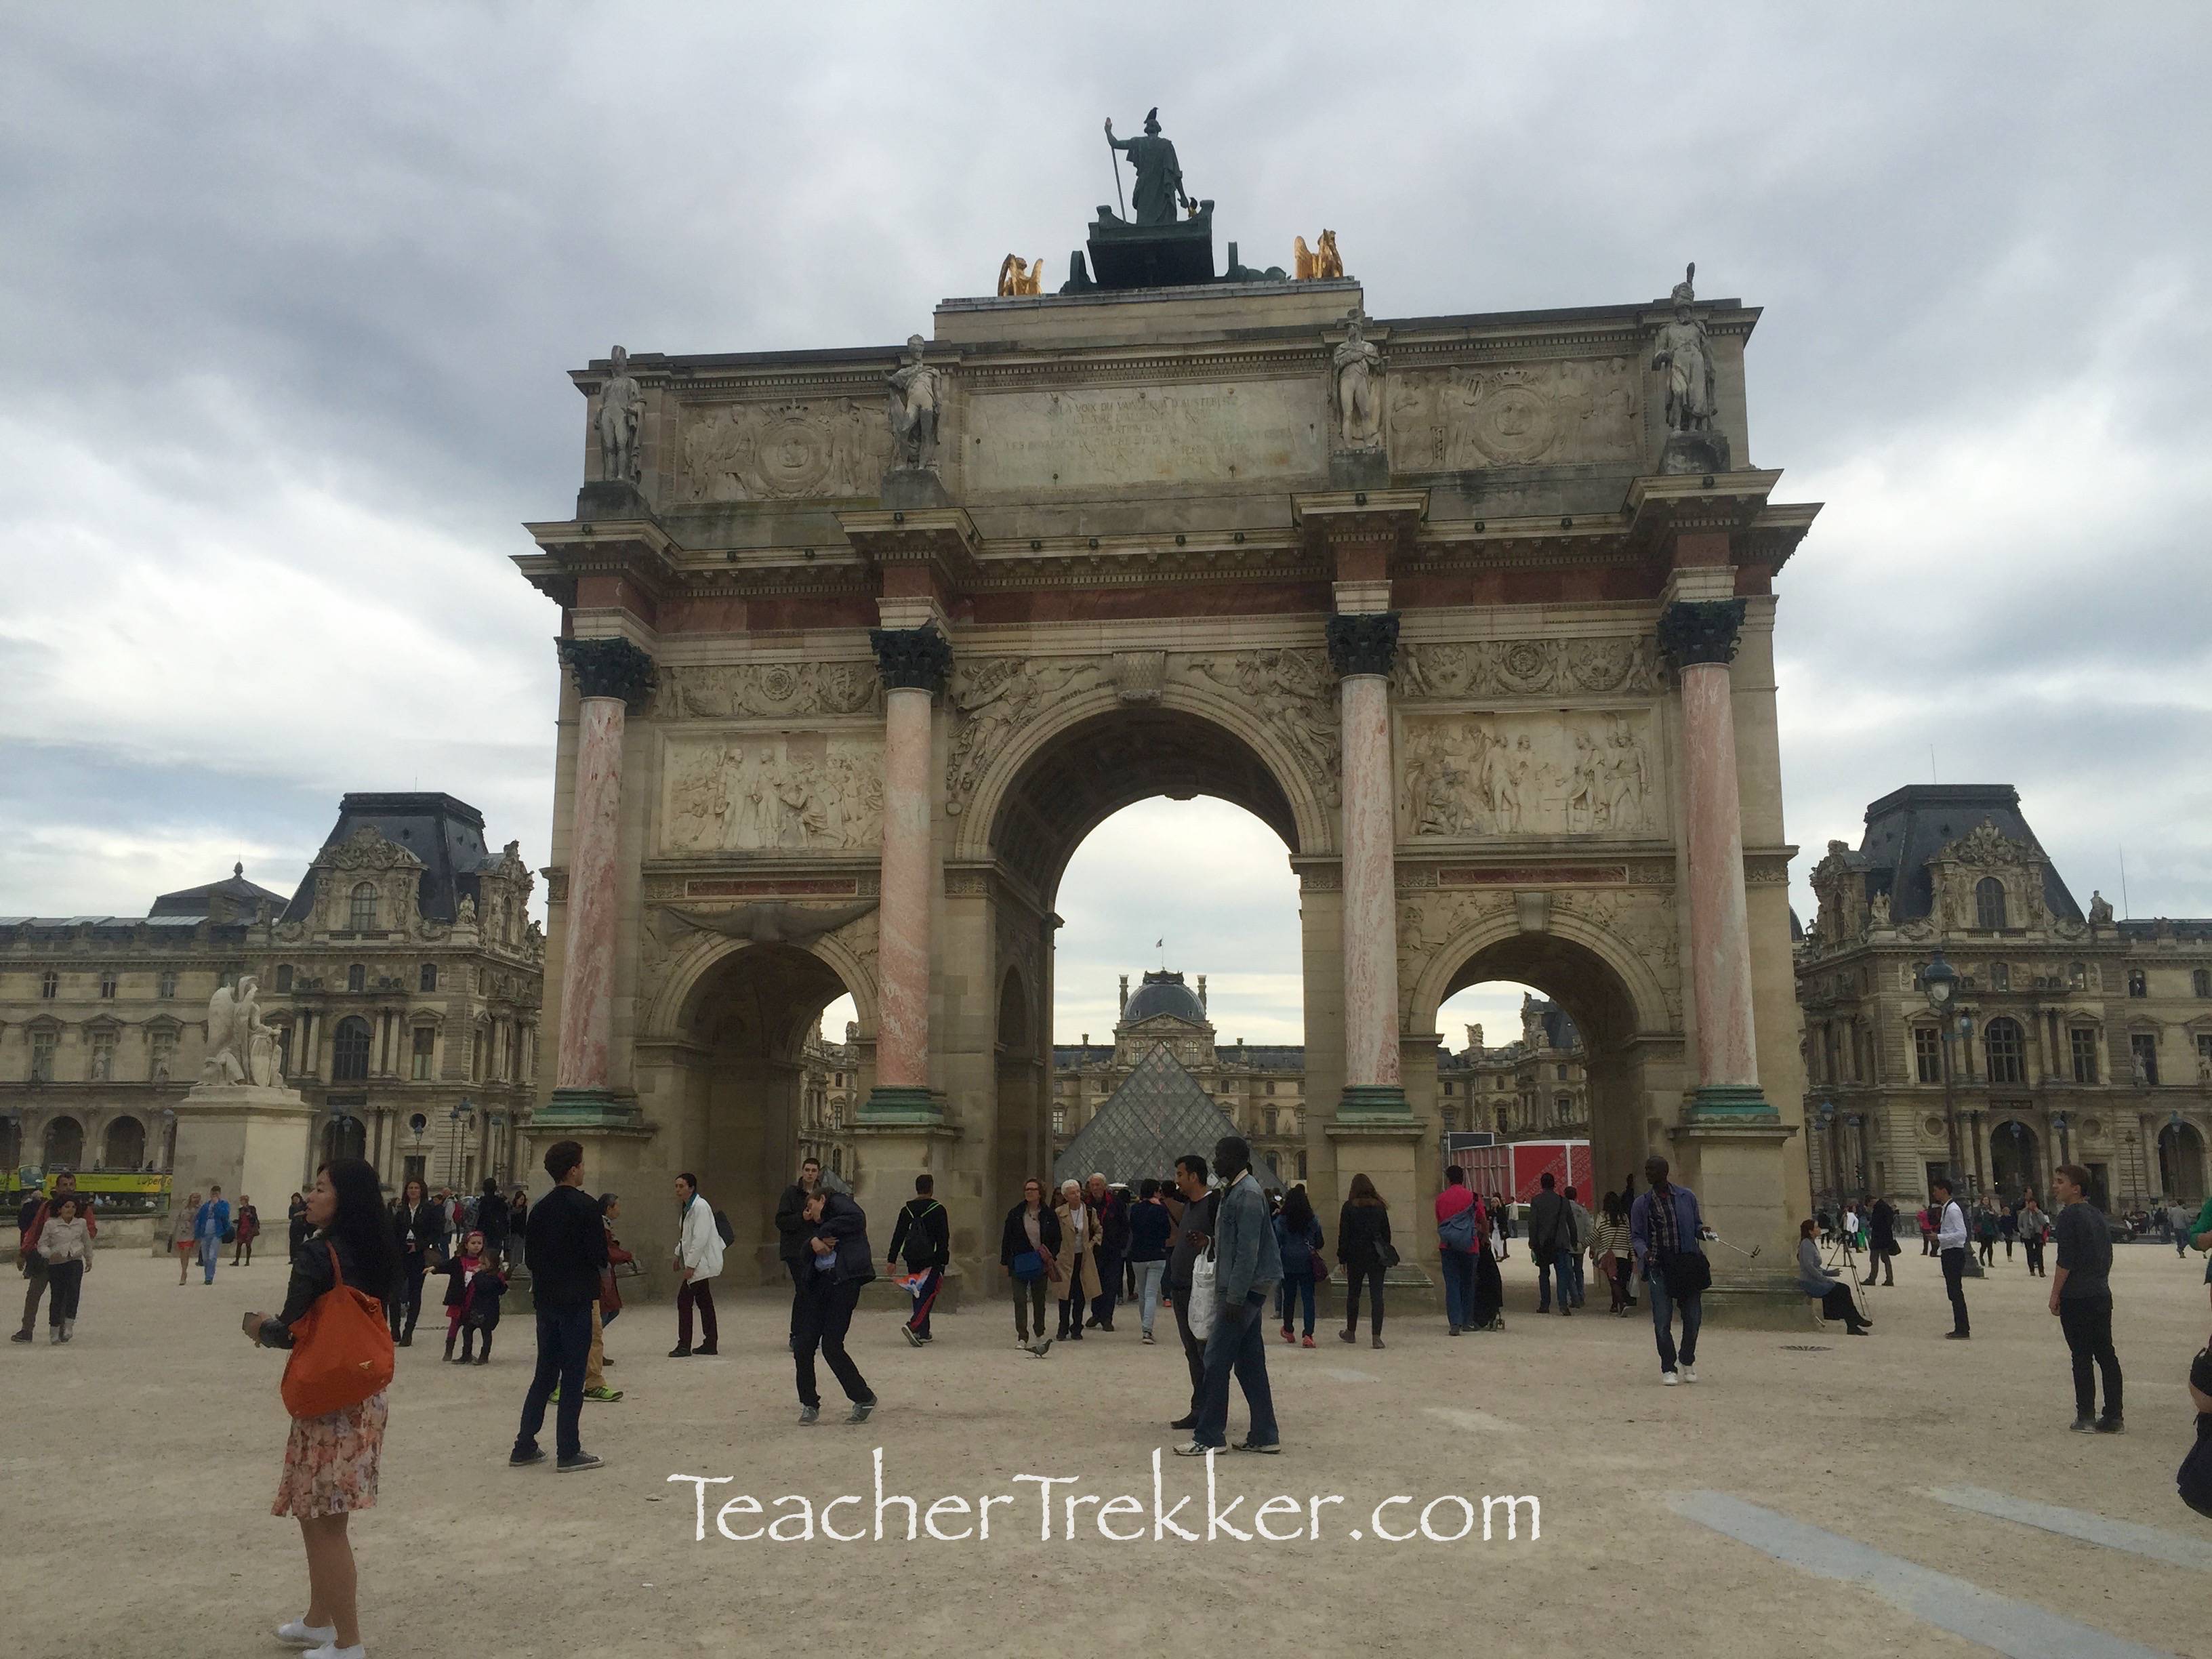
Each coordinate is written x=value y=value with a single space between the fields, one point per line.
x=1534 y=1089
x=1500 y=679
x=2085 y=1039
x=404 y=976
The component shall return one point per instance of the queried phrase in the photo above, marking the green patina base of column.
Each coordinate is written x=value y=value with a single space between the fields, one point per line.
x=585 y=1108
x=1731 y=1103
x=904 y=1103
x=1370 y=1103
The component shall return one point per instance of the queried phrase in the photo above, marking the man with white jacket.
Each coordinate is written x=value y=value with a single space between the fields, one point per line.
x=698 y=1258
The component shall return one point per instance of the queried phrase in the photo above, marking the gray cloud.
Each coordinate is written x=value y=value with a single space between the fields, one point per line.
x=287 y=293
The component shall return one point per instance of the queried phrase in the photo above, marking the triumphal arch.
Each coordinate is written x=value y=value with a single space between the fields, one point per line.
x=1475 y=612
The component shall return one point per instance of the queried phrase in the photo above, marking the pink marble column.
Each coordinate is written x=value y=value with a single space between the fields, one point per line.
x=1700 y=639
x=1362 y=647
x=609 y=674
x=912 y=663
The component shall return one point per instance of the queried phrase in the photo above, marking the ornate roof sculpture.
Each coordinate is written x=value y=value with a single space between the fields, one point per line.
x=1158 y=1113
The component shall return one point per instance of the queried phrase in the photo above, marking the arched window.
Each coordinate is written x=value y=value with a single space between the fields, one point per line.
x=349 y=1051
x=124 y=1147
x=344 y=1137
x=1988 y=902
x=284 y=976
x=2004 y=1044
x=64 y=1145
x=362 y=916
x=356 y=977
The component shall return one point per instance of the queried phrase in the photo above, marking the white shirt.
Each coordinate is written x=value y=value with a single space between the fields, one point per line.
x=1951 y=1228
x=700 y=1246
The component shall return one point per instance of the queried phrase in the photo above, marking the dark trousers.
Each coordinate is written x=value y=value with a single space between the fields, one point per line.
x=1878 y=1264
x=926 y=1298
x=407 y=1296
x=694 y=1293
x=243 y=1255
x=1237 y=1344
x=1989 y=1252
x=1353 y=1279
x=798 y=1271
x=1110 y=1287
x=1838 y=1305
x=1292 y=1295
x=2087 y=1323
x=2035 y=1259
x=564 y=1343
x=66 y=1278
x=1662 y=1321
x=34 y=1289
x=1954 y=1283
x=1927 y=1244
x=2007 y=1244
x=825 y=1314
x=1029 y=1306
x=1193 y=1346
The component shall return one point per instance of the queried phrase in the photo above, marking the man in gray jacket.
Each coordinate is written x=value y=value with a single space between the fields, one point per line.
x=1248 y=1268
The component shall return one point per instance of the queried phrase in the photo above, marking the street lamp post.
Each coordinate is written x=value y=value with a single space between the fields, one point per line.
x=1938 y=983
x=1826 y=1113
x=462 y=1112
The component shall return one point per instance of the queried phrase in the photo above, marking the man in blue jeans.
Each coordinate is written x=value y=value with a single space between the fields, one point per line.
x=1664 y=1226
x=566 y=1246
x=209 y=1226
x=1248 y=1268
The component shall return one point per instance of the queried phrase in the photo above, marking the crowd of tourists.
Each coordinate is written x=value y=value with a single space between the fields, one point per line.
x=1206 y=1243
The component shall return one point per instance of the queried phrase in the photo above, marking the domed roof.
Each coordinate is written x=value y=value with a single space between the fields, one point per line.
x=1164 y=993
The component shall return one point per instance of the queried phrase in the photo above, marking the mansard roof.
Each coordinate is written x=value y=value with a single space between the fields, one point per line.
x=1908 y=828
x=445 y=834
x=233 y=895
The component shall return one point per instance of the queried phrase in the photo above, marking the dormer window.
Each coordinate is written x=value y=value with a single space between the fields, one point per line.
x=1988 y=903
x=361 y=913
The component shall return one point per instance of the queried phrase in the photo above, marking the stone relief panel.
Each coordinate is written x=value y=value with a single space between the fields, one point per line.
x=772 y=791
x=1465 y=775
x=1523 y=415
x=1102 y=437
x=1292 y=692
x=993 y=697
x=1600 y=666
x=780 y=452
x=736 y=690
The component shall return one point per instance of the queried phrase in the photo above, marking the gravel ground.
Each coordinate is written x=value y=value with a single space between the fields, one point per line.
x=141 y=1460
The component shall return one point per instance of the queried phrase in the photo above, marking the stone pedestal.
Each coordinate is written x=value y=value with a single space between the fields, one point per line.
x=905 y=487
x=1737 y=1171
x=253 y=1141
x=1359 y=469
x=1389 y=1154
x=886 y=1159
x=1695 y=452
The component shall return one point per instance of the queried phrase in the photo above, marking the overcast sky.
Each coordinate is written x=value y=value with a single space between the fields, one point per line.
x=287 y=293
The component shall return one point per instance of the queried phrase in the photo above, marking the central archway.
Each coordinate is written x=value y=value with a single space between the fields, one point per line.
x=1076 y=768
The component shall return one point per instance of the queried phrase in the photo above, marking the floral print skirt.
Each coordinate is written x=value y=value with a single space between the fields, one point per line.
x=330 y=1462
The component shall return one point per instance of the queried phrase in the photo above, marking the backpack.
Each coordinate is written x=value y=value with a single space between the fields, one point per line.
x=723 y=1231
x=1456 y=1232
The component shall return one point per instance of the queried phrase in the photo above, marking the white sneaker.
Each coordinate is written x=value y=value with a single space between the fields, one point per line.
x=301 y=1634
x=1689 y=1374
x=1669 y=1378
x=331 y=1650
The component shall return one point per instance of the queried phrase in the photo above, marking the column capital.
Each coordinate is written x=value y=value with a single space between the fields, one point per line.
x=912 y=658
x=610 y=667
x=1693 y=631
x=1363 y=642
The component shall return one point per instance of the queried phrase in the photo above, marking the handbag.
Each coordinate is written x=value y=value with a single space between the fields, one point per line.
x=1205 y=1300
x=1028 y=1266
x=1456 y=1232
x=1386 y=1253
x=341 y=1351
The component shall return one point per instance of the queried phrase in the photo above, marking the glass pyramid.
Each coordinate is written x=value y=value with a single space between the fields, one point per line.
x=1159 y=1113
